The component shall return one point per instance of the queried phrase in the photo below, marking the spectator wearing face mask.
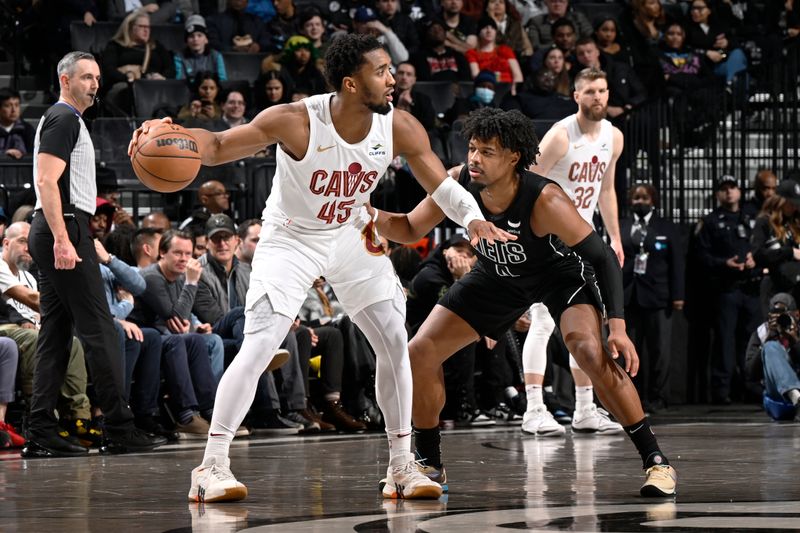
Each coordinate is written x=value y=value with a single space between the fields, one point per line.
x=653 y=280
x=482 y=96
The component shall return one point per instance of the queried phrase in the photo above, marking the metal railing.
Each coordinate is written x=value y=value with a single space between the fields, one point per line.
x=684 y=142
x=681 y=143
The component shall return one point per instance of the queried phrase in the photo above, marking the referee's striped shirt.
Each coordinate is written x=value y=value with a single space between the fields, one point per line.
x=62 y=133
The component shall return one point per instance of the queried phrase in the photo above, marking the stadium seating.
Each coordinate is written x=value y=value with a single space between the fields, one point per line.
x=441 y=93
x=149 y=95
x=243 y=66
x=95 y=38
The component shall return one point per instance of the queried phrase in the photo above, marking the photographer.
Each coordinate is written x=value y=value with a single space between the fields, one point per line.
x=773 y=355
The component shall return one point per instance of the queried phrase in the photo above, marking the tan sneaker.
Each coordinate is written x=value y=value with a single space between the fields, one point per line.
x=661 y=480
x=196 y=428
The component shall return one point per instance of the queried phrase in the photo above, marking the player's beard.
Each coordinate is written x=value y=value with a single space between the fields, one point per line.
x=588 y=112
x=381 y=109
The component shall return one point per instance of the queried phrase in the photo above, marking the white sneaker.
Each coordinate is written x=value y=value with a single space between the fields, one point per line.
x=592 y=419
x=539 y=421
x=404 y=480
x=213 y=481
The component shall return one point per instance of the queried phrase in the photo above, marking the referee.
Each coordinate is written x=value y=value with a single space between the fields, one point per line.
x=71 y=290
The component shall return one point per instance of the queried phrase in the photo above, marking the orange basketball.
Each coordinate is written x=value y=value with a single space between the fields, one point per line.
x=167 y=158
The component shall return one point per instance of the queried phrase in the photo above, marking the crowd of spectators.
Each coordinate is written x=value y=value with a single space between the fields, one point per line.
x=650 y=49
x=176 y=288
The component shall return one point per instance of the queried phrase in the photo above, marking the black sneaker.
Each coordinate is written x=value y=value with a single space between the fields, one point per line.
x=309 y=426
x=272 y=423
x=129 y=440
x=151 y=426
x=503 y=414
x=54 y=445
x=474 y=418
x=88 y=433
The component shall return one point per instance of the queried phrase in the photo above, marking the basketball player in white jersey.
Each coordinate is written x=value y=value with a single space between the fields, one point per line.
x=579 y=153
x=332 y=150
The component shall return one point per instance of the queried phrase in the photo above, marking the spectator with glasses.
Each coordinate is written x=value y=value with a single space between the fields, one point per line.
x=213 y=198
x=233 y=110
x=132 y=54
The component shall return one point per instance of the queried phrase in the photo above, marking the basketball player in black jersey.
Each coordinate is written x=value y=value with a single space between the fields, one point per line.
x=557 y=259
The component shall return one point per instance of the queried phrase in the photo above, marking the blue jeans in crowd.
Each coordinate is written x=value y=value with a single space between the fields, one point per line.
x=728 y=69
x=216 y=354
x=142 y=365
x=779 y=376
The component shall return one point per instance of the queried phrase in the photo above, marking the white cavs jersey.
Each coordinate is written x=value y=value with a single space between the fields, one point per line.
x=580 y=172
x=326 y=188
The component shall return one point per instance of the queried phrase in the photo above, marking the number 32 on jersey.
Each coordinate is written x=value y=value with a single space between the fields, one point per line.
x=582 y=196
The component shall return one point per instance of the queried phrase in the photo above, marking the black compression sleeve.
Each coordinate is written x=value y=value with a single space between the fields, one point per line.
x=606 y=268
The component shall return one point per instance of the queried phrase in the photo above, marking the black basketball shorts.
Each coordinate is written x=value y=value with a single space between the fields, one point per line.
x=491 y=305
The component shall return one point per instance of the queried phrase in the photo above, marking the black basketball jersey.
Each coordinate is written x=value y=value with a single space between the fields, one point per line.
x=530 y=261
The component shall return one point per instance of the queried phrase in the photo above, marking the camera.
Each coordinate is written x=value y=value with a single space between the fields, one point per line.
x=782 y=322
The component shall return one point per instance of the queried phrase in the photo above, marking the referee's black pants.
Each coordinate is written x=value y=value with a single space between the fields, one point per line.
x=67 y=299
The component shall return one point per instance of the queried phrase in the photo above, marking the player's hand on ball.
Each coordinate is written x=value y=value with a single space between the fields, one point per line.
x=620 y=343
x=482 y=229
x=144 y=129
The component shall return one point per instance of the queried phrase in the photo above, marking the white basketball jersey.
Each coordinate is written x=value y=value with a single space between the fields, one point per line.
x=580 y=172
x=327 y=188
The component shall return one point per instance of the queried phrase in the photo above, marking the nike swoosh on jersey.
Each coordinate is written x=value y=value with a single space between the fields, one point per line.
x=576 y=146
x=513 y=224
x=325 y=149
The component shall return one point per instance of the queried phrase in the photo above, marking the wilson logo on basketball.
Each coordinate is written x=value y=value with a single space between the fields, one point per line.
x=181 y=144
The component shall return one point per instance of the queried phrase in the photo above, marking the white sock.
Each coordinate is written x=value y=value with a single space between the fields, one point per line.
x=794 y=396
x=534 y=395
x=399 y=444
x=217 y=446
x=584 y=397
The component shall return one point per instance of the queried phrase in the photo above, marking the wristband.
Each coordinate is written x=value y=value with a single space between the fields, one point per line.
x=456 y=202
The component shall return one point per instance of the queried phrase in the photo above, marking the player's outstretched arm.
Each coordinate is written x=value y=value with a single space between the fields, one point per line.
x=411 y=141
x=555 y=214
x=407 y=228
x=272 y=125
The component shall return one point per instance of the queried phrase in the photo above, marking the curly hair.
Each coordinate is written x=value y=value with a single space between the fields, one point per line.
x=345 y=56
x=512 y=129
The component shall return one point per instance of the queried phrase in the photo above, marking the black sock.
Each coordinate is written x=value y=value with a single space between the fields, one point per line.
x=428 y=443
x=646 y=443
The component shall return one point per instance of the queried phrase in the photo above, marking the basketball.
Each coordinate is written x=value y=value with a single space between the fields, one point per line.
x=167 y=158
